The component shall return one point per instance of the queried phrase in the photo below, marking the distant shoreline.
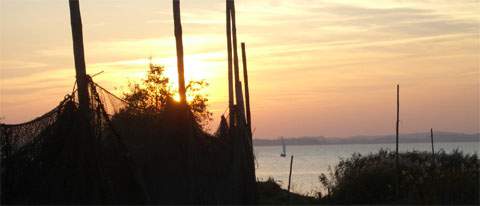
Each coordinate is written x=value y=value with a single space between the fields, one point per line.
x=379 y=139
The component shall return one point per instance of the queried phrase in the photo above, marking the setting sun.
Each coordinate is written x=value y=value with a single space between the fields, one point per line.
x=197 y=68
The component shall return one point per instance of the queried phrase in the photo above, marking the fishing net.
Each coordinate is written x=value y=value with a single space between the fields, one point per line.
x=63 y=157
x=122 y=154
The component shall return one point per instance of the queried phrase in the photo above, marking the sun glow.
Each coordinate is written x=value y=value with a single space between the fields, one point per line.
x=319 y=71
x=176 y=97
x=195 y=70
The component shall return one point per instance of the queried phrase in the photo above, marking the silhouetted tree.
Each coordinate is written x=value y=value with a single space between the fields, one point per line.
x=154 y=92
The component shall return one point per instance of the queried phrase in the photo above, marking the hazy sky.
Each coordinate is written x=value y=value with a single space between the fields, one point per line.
x=316 y=67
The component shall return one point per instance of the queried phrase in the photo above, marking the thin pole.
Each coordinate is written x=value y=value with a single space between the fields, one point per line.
x=396 y=141
x=79 y=57
x=398 y=120
x=290 y=173
x=249 y=118
x=242 y=150
x=237 y=181
x=90 y=188
x=247 y=92
x=433 y=172
x=230 y=65
x=238 y=84
x=431 y=139
x=188 y=130
x=179 y=43
x=290 y=176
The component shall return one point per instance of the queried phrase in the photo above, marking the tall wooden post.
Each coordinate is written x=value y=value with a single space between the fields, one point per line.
x=290 y=173
x=81 y=74
x=396 y=142
x=186 y=122
x=179 y=43
x=90 y=188
x=397 y=122
x=238 y=83
x=230 y=65
x=290 y=177
x=243 y=162
x=247 y=92
x=233 y=130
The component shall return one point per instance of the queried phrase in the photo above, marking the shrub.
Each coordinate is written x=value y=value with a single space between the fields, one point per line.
x=446 y=178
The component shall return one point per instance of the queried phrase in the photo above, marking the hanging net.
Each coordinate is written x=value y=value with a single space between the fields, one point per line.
x=121 y=154
x=64 y=157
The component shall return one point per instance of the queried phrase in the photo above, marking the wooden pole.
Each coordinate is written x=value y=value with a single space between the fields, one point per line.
x=179 y=44
x=79 y=57
x=433 y=167
x=230 y=65
x=88 y=189
x=396 y=142
x=290 y=173
x=247 y=92
x=186 y=128
x=398 y=121
x=290 y=177
x=233 y=130
x=431 y=140
x=238 y=83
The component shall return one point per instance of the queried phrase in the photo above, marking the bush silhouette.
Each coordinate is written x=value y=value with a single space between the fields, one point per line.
x=446 y=178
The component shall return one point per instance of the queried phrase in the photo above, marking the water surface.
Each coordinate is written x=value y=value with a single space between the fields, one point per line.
x=312 y=160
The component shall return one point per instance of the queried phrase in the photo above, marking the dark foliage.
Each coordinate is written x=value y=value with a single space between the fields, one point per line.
x=446 y=178
x=154 y=92
x=178 y=161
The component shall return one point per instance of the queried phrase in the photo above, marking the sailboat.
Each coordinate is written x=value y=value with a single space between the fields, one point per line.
x=284 y=149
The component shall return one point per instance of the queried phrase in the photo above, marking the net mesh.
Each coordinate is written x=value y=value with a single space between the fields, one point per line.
x=62 y=157
x=123 y=155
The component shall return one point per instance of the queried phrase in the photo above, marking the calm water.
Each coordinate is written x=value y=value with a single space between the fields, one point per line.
x=312 y=160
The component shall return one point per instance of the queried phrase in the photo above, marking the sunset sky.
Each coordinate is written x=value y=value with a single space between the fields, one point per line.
x=315 y=67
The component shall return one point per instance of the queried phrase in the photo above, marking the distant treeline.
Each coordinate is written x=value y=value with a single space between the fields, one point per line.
x=380 y=139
